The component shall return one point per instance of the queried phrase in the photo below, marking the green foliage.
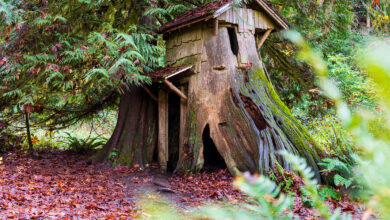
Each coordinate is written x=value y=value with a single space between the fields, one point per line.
x=310 y=187
x=342 y=172
x=283 y=178
x=168 y=12
x=329 y=133
x=69 y=59
x=113 y=157
x=113 y=154
x=324 y=23
x=327 y=192
x=374 y=144
x=333 y=164
x=83 y=146
x=9 y=12
x=379 y=13
x=266 y=201
x=333 y=27
x=357 y=90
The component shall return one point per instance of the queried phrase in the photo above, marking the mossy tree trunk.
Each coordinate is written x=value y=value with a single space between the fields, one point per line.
x=232 y=97
x=235 y=105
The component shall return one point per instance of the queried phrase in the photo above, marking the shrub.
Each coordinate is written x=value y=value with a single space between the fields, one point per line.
x=83 y=146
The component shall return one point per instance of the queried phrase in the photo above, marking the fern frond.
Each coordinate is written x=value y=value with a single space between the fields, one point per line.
x=8 y=12
x=310 y=186
x=97 y=71
x=126 y=40
x=334 y=164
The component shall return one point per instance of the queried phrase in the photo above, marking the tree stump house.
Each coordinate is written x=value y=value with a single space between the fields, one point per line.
x=204 y=116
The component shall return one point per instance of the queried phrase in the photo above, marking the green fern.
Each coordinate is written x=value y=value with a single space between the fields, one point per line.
x=311 y=188
x=342 y=171
x=82 y=146
x=341 y=181
x=334 y=164
x=9 y=12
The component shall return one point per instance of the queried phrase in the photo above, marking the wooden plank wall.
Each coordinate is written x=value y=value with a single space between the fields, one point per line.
x=184 y=46
x=163 y=129
x=248 y=20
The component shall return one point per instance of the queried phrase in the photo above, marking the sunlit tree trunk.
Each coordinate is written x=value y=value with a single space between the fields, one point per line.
x=231 y=104
x=238 y=107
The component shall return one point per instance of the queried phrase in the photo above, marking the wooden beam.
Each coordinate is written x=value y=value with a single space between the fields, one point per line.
x=175 y=89
x=265 y=36
x=180 y=71
x=163 y=129
x=183 y=121
x=150 y=93
x=216 y=23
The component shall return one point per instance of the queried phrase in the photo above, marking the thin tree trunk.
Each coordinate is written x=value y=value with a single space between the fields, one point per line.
x=30 y=143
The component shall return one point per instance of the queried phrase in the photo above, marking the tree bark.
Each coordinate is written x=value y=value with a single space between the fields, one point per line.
x=135 y=135
x=244 y=117
x=248 y=123
x=29 y=141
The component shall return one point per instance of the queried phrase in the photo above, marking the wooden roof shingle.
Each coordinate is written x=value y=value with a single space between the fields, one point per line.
x=211 y=10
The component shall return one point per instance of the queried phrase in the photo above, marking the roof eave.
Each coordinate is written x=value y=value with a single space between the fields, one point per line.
x=271 y=12
x=194 y=21
x=222 y=9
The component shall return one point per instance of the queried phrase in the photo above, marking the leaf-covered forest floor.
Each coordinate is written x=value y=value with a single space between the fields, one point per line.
x=60 y=185
x=63 y=185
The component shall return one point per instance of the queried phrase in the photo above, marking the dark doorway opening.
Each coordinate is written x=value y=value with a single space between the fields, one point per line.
x=233 y=40
x=212 y=159
x=173 y=130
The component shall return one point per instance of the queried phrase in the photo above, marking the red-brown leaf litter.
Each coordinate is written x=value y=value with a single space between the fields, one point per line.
x=199 y=188
x=61 y=185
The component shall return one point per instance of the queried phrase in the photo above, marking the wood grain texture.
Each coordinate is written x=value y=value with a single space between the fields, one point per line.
x=248 y=20
x=247 y=125
x=163 y=129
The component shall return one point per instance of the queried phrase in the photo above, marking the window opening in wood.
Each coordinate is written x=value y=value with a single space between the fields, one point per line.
x=233 y=40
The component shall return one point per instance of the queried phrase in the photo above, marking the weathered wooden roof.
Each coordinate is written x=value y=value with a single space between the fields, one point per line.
x=169 y=72
x=215 y=9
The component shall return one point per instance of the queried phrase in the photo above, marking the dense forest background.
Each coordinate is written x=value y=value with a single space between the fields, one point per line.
x=65 y=64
